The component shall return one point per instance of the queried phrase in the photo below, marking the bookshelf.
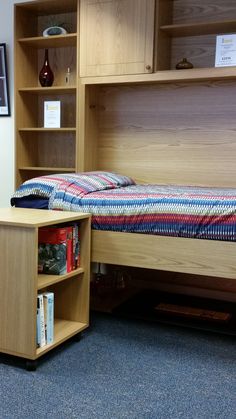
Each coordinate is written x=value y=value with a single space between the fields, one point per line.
x=20 y=282
x=41 y=151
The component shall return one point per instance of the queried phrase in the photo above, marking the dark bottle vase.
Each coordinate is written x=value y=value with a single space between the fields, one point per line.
x=46 y=76
x=184 y=64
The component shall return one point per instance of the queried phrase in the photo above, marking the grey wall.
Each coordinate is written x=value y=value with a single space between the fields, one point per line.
x=7 y=123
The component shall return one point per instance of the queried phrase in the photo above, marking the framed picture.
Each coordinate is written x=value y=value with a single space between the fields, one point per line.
x=4 y=92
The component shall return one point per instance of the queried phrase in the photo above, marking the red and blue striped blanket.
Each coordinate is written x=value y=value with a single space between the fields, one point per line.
x=118 y=204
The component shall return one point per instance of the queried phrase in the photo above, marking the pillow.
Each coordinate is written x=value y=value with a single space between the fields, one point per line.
x=81 y=183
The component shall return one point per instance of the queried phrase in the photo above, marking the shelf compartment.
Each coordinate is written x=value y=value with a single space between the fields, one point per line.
x=47 y=280
x=193 y=29
x=41 y=8
x=54 y=41
x=63 y=330
x=34 y=17
x=32 y=106
x=60 y=58
x=41 y=150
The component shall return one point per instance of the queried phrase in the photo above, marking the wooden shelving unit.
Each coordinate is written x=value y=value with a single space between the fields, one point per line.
x=20 y=281
x=49 y=150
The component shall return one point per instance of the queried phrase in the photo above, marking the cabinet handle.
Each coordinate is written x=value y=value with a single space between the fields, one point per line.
x=148 y=67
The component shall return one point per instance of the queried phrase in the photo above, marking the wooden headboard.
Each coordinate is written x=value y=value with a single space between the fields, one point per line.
x=181 y=133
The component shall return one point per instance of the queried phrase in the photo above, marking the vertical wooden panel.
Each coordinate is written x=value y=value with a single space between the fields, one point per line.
x=18 y=261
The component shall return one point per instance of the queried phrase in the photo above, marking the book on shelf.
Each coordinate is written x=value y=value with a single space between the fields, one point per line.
x=45 y=319
x=40 y=333
x=73 y=243
x=76 y=246
x=48 y=304
x=54 y=251
x=59 y=249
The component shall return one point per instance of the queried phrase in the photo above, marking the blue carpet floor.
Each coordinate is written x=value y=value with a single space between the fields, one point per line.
x=126 y=369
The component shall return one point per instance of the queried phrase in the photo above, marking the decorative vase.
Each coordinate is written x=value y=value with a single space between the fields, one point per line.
x=184 y=64
x=46 y=76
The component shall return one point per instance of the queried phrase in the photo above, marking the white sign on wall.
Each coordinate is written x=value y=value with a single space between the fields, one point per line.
x=225 y=50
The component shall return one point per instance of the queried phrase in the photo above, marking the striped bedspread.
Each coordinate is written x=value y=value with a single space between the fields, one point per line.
x=118 y=204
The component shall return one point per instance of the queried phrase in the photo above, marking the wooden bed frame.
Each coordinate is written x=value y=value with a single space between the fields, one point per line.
x=165 y=133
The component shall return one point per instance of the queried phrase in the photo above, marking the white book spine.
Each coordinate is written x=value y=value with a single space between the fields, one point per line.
x=38 y=334
x=42 y=340
x=48 y=298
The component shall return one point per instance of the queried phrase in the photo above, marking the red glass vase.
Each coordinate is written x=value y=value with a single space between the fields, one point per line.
x=46 y=76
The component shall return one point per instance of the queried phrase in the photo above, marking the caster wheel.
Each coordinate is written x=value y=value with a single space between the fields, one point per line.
x=31 y=365
x=77 y=337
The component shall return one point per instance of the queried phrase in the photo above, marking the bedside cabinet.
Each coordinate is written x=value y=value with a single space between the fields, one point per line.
x=20 y=282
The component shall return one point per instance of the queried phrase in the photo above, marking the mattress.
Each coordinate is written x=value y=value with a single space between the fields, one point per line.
x=118 y=204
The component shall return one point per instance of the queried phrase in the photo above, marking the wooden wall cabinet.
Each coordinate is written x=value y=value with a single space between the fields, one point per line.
x=20 y=282
x=40 y=150
x=116 y=37
x=145 y=36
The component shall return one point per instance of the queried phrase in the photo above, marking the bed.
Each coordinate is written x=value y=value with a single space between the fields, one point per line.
x=169 y=227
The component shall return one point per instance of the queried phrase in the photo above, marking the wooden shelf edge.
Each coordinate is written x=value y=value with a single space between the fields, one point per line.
x=46 y=90
x=63 y=330
x=72 y=129
x=201 y=28
x=54 y=41
x=166 y=76
x=47 y=169
x=47 y=280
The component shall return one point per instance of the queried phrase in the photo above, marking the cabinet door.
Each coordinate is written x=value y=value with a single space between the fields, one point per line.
x=116 y=37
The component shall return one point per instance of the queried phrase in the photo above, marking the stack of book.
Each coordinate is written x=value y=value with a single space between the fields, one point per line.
x=59 y=249
x=45 y=319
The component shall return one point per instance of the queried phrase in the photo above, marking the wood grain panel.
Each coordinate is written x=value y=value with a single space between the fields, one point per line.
x=18 y=290
x=202 y=257
x=203 y=11
x=162 y=42
x=200 y=50
x=183 y=134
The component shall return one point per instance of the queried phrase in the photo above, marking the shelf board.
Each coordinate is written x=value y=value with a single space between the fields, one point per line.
x=206 y=28
x=54 y=41
x=48 y=169
x=63 y=330
x=67 y=129
x=48 y=90
x=41 y=8
x=166 y=76
x=47 y=280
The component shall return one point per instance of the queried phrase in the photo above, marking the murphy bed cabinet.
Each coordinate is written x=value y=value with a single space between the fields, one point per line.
x=128 y=110
x=20 y=282
x=42 y=150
